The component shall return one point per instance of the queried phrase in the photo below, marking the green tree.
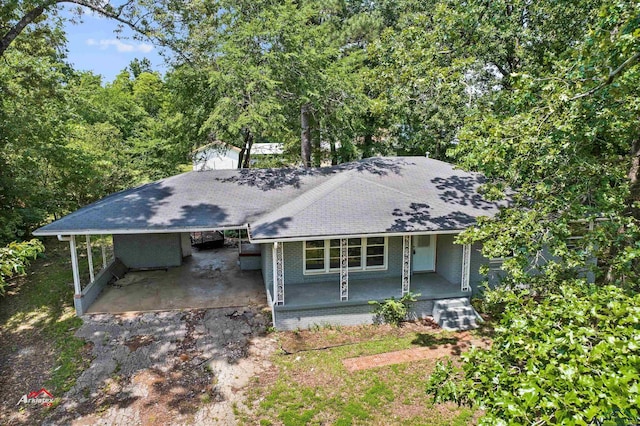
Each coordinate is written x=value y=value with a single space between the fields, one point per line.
x=571 y=358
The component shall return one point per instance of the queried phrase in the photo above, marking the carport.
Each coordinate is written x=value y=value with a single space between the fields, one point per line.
x=210 y=278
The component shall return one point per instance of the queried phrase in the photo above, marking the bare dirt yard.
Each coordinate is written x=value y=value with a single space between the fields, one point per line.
x=173 y=367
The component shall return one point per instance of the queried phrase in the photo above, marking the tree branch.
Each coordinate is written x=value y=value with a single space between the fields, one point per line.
x=610 y=78
x=28 y=18
x=108 y=12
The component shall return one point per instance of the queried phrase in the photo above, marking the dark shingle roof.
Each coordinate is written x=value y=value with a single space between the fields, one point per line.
x=372 y=196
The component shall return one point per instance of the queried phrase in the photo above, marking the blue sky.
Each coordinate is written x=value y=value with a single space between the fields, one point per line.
x=94 y=46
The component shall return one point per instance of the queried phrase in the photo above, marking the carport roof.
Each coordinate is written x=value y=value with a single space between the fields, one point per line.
x=371 y=196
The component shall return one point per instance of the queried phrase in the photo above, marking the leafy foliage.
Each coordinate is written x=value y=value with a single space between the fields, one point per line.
x=393 y=311
x=570 y=358
x=15 y=257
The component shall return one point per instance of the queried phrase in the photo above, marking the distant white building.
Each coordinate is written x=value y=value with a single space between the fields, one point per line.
x=218 y=156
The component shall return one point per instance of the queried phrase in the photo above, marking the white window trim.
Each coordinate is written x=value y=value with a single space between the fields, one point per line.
x=363 y=259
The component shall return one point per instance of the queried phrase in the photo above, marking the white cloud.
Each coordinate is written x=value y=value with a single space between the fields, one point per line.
x=120 y=46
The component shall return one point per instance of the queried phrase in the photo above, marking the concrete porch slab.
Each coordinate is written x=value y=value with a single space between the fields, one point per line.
x=207 y=279
x=320 y=294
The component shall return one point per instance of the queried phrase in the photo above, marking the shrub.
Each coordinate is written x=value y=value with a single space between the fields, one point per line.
x=393 y=311
x=15 y=257
x=572 y=357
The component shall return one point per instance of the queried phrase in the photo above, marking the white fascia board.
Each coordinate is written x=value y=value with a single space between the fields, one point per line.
x=335 y=237
x=134 y=231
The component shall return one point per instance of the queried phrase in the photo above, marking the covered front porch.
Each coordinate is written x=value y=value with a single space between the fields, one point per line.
x=448 y=273
x=430 y=265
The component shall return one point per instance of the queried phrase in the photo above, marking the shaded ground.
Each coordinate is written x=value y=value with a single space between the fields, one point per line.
x=207 y=279
x=37 y=323
x=167 y=367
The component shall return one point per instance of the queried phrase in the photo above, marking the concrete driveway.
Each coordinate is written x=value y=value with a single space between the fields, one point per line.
x=174 y=367
x=207 y=279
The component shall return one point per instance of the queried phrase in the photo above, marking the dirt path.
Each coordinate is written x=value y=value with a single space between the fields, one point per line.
x=186 y=367
x=446 y=347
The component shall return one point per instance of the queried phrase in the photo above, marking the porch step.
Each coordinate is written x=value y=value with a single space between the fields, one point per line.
x=455 y=314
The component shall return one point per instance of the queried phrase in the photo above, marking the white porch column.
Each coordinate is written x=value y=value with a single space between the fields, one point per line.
x=406 y=264
x=466 y=267
x=104 y=253
x=90 y=259
x=344 y=269
x=74 y=266
x=278 y=273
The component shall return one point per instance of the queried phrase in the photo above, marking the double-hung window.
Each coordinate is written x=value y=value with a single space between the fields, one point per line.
x=364 y=254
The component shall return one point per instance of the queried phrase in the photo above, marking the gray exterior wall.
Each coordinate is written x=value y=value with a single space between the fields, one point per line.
x=148 y=250
x=90 y=293
x=185 y=244
x=449 y=259
x=294 y=268
x=448 y=263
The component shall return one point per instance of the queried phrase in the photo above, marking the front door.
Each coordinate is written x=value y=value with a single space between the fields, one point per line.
x=424 y=253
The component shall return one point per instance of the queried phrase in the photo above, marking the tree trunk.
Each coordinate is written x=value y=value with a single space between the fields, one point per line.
x=305 y=137
x=367 y=145
x=334 y=152
x=244 y=158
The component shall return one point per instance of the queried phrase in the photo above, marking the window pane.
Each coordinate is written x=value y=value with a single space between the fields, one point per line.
x=315 y=244
x=354 y=251
x=334 y=243
x=334 y=252
x=375 y=261
x=313 y=264
x=354 y=241
x=315 y=254
x=334 y=263
x=375 y=250
x=354 y=262
x=375 y=241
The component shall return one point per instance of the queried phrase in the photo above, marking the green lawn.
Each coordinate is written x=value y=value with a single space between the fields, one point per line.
x=312 y=387
x=38 y=307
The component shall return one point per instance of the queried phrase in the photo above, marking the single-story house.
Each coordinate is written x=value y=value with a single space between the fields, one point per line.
x=328 y=239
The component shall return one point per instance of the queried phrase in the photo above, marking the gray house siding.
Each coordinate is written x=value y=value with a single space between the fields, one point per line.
x=449 y=258
x=148 y=250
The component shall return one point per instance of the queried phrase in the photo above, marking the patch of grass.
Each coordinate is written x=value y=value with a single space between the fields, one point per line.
x=313 y=387
x=40 y=306
x=378 y=394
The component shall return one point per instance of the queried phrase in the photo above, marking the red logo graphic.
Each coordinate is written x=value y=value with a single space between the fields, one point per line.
x=43 y=397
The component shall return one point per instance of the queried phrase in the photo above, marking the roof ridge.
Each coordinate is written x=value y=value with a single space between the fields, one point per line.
x=383 y=186
x=313 y=194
